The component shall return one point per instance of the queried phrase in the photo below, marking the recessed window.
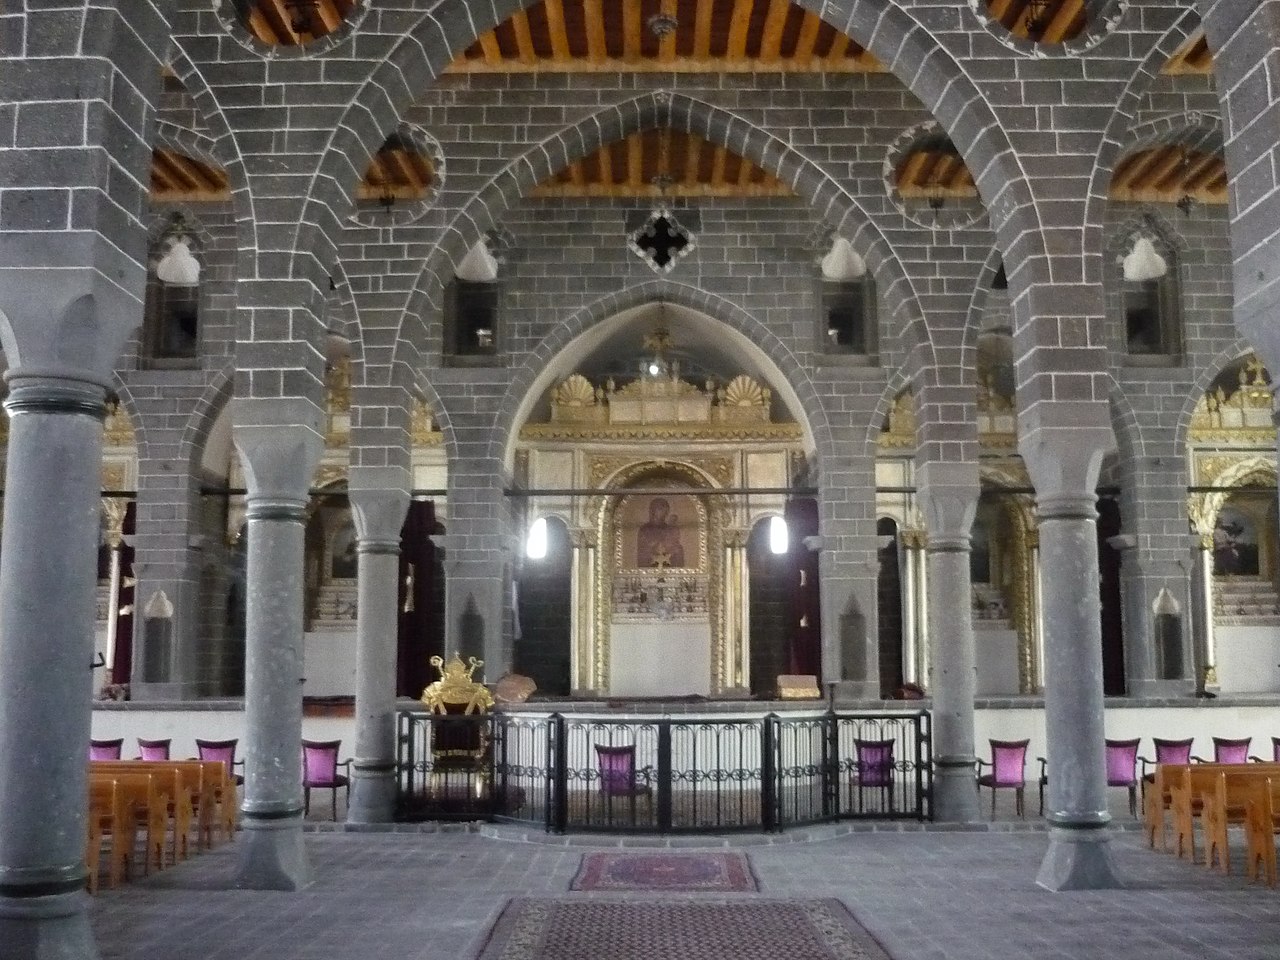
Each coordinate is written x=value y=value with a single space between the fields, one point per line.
x=848 y=318
x=472 y=318
x=1149 y=303
x=171 y=314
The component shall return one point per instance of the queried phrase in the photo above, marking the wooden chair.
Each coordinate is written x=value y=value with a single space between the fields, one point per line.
x=320 y=770
x=1008 y=772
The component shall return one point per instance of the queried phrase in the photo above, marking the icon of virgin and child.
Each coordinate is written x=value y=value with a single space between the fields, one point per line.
x=658 y=538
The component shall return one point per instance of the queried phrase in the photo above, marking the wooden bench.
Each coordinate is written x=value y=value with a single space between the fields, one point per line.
x=1261 y=825
x=199 y=785
x=1158 y=798
x=110 y=815
x=149 y=794
x=1189 y=783
x=1225 y=805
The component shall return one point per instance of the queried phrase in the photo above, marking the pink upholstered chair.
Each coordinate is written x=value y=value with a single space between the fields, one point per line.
x=105 y=749
x=320 y=771
x=619 y=778
x=1008 y=772
x=1226 y=750
x=1167 y=751
x=873 y=769
x=223 y=751
x=1122 y=770
x=153 y=749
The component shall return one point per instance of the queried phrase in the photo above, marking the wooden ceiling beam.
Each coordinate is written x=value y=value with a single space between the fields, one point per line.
x=605 y=156
x=593 y=17
x=1062 y=21
x=1204 y=172
x=1133 y=167
x=329 y=15
x=738 y=27
x=717 y=164
x=839 y=48
x=999 y=9
x=1170 y=159
x=492 y=52
x=556 y=28
x=702 y=31
x=635 y=161
x=667 y=44
x=281 y=21
x=809 y=28
x=692 y=158
x=631 y=51
x=771 y=38
x=524 y=37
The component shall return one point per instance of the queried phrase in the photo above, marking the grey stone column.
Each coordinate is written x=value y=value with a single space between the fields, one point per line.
x=278 y=464
x=379 y=517
x=47 y=582
x=949 y=498
x=1079 y=856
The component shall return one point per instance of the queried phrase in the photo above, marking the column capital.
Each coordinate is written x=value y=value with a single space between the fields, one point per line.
x=379 y=515
x=279 y=460
x=35 y=392
x=1063 y=446
x=948 y=497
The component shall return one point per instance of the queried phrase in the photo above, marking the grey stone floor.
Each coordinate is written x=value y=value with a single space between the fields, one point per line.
x=924 y=895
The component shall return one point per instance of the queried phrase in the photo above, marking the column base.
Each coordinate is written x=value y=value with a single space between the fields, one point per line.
x=373 y=794
x=273 y=855
x=46 y=928
x=955 y=799
x=1079 y=859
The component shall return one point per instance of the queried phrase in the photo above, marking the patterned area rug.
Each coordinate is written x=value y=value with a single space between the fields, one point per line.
x=739 y=929
x=709 y=872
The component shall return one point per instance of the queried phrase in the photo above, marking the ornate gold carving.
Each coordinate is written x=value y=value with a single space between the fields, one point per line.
x=117 y=430
x=575 y=391
x=601 y=469
x=422 y=426
x=743 y=391
x=604 y=432
x=1241 y=416
x=798 y=686
x=456 y=687
x=900 y=425
x=1238 y=470
x=113 y=476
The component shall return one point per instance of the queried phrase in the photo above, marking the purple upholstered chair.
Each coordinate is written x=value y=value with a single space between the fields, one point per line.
x=618 y=777
x=320 y=770
x=873 y=768
x=1226 y=750
x=1008 y=771
x=105 y=749
x=153 y=749
x=1167 y=751
x=1122 y=770
x=223 y=751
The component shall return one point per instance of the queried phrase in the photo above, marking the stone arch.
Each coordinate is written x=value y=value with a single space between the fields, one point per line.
x=896 y=36
x=524 y=379
x=1204 y=507
x=420 y=387
x=1204 y=378
x=829 y=202
x=1125 y=423
x=125 y=397
x=207 y=410
x=897 y=382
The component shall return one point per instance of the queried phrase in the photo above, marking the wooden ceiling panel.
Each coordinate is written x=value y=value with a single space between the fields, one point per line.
x=628 y=168
x=934 y=170
x=1168 y=173
x=292 y=22
x=176 y=178
x=709 y=36
x=1193 y=56
x=398 y=170
x=1040 y=21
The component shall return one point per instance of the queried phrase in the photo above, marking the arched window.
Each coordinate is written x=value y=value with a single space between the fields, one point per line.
x=1149 y=301
x=471 y=307
x=171 y=315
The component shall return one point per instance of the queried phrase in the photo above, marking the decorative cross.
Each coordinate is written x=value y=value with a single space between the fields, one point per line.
x=662 y=240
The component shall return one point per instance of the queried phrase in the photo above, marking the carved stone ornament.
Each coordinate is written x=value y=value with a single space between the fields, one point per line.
x=456 y=687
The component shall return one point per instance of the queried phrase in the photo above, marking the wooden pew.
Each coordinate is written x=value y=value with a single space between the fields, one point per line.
x=1261 y=825
x=1225 y=805
x=110 y=815
x=1188 y=784
x=149 y=794
x=198 y=784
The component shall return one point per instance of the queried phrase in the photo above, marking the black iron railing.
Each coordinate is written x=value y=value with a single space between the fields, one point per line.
x=569 y=772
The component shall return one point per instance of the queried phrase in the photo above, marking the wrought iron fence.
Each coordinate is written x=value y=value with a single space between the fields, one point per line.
x=570 y=772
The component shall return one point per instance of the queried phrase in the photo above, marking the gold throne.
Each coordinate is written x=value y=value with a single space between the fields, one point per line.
x=458 y=744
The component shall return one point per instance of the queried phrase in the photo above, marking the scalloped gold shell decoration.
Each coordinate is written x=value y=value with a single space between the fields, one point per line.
x=743 y=391
x=576 y=391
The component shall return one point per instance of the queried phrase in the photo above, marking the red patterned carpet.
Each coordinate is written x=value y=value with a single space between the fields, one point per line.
x=738 y=929
x=666 y=872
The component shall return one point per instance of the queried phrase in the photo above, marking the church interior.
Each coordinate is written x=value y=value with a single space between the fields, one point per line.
x=630 y=418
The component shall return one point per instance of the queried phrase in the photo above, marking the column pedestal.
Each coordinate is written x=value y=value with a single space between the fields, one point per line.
x=47 y=582
x=1079 y=855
